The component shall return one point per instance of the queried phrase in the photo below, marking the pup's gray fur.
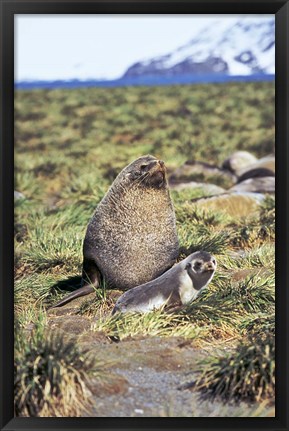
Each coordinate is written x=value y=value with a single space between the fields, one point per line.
x=178 y=286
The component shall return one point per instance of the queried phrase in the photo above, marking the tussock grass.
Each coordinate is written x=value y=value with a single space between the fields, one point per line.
x=155 y=323
x=189 y=213
x=52 y=377
x=261 y=257
x=268 y=208
x=76 y=215
x=254 y=293
x=259 y=325
x=200 y=237
x=53 y=247
x=255 y=230
x=248 y=374
x=250 y=233
x=29 y=187
x=85 y=187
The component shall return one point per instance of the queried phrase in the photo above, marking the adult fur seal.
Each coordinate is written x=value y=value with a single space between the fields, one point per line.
x=179 y=285
x=131 y=238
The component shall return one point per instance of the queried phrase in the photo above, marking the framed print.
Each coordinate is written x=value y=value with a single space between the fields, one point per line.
x=146 y=284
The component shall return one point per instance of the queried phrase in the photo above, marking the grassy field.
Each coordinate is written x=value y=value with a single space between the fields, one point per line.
x=69 y=146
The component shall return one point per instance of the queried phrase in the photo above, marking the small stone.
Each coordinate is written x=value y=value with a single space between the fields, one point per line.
x=139 y=411
x=18 y=195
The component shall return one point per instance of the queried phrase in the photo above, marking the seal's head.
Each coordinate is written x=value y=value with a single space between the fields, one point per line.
x=201 y=267
x=147 y=171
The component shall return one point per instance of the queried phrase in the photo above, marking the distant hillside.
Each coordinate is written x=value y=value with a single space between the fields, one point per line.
x=245 y=48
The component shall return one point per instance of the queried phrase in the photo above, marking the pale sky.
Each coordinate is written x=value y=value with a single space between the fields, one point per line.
x=99 y=46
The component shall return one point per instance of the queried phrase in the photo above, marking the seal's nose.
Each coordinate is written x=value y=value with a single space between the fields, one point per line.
x=210 y=266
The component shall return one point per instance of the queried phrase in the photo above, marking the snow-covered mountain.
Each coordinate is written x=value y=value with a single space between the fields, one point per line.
x=244 y=48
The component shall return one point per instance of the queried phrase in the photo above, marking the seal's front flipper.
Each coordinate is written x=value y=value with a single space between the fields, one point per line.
x=90 y=282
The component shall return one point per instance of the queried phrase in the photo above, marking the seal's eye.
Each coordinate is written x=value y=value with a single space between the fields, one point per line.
x=214 y=262
x=133 y=175
x=143 y=167
x=198 y=264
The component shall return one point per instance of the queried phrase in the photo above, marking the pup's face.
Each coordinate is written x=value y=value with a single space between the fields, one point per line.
x=200 y=265
x=147 y=171
x=201 y=268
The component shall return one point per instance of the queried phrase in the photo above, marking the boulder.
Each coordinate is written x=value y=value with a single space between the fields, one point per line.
x=201 y=172
x=266 y=163
x=208 y=189
x=255 y=185
x=238 y=161
x=256 y=173
x=235 y=204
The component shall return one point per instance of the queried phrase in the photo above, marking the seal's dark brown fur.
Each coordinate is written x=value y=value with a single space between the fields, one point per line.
x=131 y=238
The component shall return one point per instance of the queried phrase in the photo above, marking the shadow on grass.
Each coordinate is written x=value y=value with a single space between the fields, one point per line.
x=67 y=285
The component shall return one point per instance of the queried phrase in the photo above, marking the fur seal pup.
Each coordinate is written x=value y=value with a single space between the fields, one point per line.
x=178 y=286
x=132 y=237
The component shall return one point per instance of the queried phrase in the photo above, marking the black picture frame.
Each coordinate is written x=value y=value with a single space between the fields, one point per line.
x=8 y=9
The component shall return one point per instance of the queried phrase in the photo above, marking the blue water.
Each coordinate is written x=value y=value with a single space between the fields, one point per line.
x=144 y=81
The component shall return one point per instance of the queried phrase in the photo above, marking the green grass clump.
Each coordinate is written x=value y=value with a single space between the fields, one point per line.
x=262 y=257
x=53 y=248
x=200 y=237
x=267 y=216
x=154 y=323
x=51 y=376
x=246 y=375
x=254 y=293
x=187 y=212
x=260 y=324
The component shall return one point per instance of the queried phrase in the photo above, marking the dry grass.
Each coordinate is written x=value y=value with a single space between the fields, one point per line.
x=247 y=374
x=52 y=377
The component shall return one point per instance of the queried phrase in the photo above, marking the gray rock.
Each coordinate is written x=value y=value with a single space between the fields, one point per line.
x=208 y=189
x=201 y=172
x=256 y=173
x=255 y=185
x=266 y=163
x=235 y=204
x=238 y=161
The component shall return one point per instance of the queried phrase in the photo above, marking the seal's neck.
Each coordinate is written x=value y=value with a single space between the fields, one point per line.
x=187 y=290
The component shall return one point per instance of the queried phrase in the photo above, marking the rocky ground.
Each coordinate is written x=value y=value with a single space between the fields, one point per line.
x=152 y=375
